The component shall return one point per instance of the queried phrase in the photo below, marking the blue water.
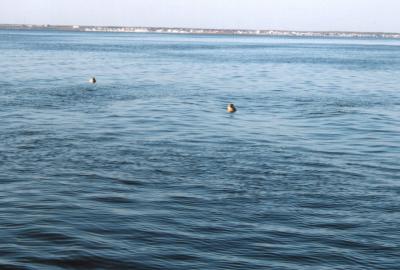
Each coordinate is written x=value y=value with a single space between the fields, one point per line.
x=146 y=170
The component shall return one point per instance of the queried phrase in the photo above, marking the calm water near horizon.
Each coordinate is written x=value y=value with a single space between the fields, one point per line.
x=146 y=170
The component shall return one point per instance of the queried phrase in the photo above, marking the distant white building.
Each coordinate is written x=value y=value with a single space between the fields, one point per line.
x=141 y=30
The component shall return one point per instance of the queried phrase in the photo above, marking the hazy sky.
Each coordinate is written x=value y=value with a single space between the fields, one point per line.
x=351 y=15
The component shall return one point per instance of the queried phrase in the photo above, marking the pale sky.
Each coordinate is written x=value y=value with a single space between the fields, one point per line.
x=328 y=15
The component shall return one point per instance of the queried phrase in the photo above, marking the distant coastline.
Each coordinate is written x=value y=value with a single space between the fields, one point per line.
x=128 y=29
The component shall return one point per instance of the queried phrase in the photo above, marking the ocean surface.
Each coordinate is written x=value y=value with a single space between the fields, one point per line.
x=146 y=170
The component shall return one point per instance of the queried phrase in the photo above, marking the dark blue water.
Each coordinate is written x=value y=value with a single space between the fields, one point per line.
x=146 y=170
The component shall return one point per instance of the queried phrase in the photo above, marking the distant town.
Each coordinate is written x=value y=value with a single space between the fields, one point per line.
x=125 y=29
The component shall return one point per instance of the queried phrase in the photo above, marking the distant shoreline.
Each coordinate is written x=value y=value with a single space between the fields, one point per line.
x=127 y=29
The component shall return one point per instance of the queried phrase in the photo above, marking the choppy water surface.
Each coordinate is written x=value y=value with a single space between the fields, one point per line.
x=146 y=170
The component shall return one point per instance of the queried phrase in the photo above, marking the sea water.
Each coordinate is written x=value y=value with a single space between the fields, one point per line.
x=147 y=170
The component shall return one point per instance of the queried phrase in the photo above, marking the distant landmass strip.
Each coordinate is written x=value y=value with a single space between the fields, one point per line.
x=126 y=29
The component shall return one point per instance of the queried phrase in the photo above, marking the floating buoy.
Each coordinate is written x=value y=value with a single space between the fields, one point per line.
x=231 y=108
x=92 y=80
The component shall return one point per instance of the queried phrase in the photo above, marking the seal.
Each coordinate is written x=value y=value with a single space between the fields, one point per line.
x=231 y=108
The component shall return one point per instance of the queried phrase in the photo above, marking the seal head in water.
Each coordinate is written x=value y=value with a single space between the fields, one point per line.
x=231 y=108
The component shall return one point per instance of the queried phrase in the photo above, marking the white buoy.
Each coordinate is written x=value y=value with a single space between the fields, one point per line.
x=231 y=108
